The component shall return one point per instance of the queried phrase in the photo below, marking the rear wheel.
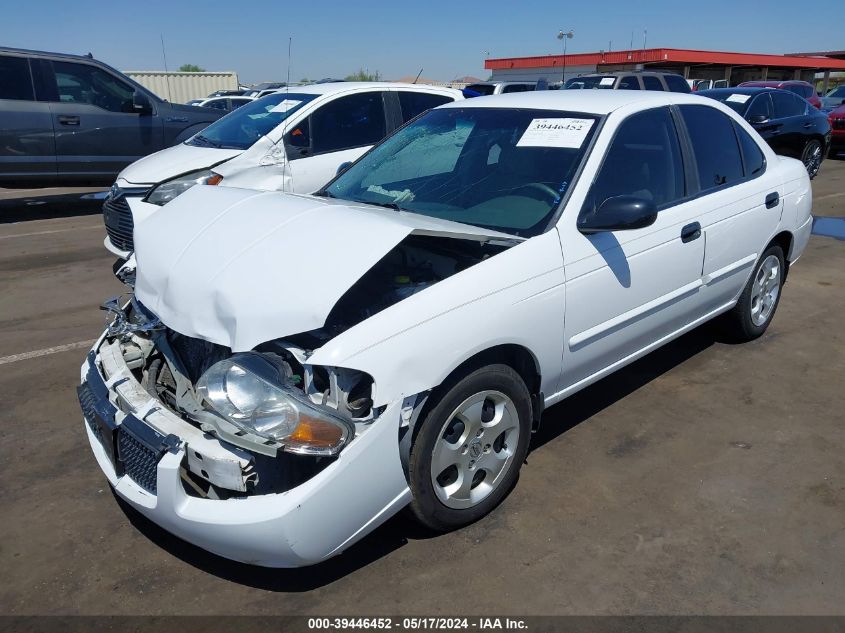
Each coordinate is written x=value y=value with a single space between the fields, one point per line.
x=812 y=157
x=469 y=448
x=759 y=299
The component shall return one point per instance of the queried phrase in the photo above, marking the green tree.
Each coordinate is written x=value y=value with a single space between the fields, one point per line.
x=190 y=68
x=363 y=75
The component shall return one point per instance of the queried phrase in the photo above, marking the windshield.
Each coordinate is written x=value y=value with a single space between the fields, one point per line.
x=496 y=168
x=242 y=127
x=593 y=82
x=738 y=102
x=482 y=89
x=837 y=92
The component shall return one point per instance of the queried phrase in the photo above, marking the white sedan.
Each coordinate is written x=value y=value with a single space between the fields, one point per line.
x=293 y=370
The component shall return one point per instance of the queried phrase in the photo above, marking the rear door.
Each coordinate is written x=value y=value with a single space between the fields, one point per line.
x=792 y=115
x=27 y=144
x=97 y=131
x=739 y=198
x=338 y=131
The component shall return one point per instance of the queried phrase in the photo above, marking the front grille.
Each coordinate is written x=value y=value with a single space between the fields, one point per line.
x=139 y=461
x=117 y=216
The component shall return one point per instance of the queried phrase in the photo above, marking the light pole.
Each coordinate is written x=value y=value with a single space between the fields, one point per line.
x=561 y=35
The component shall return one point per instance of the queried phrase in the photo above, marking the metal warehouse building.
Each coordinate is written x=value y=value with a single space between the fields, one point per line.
x=733 y=67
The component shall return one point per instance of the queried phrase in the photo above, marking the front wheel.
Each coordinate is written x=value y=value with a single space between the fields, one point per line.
x=469 y=447
x=812 y=157
x=756 y=306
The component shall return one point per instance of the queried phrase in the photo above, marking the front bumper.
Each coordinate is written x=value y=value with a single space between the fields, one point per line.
x=305 y=525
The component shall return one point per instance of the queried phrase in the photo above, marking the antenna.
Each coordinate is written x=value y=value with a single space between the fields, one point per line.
x=287 y=82
x=166 y=76
x=418 y=75
x=645 y=37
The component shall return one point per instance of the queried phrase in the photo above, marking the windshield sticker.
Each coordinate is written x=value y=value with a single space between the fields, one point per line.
x=285 y=105
x=738 y=98
x=607 y=81
x=569 y=133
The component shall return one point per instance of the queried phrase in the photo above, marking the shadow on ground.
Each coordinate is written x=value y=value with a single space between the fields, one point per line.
x=397 y=531
x=39 y=207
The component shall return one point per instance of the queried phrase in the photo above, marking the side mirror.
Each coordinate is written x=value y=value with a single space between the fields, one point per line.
x=757 y=119
x=620 y=213
x=343 y=167
x=141 y=103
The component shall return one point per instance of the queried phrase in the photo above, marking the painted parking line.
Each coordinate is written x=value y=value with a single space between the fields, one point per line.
x=830 y=195
x=45 y=352
x=76 y=228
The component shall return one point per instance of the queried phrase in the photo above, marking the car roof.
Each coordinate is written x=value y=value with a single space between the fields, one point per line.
x=773 y=84
x=598 y=102
x=344 y=86
x=739 y=90
x=620 y=73
x=34 y=53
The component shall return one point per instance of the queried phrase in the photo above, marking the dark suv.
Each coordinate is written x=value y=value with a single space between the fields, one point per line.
x=72 y=118
x=629 y=80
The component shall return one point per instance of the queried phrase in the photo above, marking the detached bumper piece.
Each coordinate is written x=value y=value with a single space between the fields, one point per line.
x=133 y=448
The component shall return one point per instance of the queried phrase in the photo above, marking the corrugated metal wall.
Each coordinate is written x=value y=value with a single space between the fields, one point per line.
x=179 y=87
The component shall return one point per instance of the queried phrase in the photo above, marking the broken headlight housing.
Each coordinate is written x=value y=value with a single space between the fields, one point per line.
x=256 y=395
x=170 y=189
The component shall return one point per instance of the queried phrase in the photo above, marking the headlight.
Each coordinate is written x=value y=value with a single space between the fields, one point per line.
x=167 y=191
x=252 y=393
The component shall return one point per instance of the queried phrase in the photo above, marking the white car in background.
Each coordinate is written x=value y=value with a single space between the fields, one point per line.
x=292 y=370
x=226 y=102
x=292 y=140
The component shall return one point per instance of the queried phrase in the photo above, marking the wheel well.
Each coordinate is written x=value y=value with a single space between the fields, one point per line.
x=784 y=240
x=518 y=358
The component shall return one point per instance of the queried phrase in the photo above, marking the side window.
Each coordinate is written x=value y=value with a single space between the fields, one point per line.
x=515 y=88
x=15 y=80
x=652 y=83
x=715 y=146
x=81 y=83
x=628 y=83
x=754 y=162
x=352 y=121
x=643 y=160
x=299 y=138
x=217 y=104
x=676 y=83
x=787 y=104
x=237 y=103
x=760 y=107
x=415 y=103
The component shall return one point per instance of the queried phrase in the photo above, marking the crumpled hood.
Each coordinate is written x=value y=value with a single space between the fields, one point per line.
x=239 y=267
x=174 y=161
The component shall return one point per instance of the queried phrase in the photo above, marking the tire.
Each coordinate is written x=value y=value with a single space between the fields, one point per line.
x=812 y=157
x=759 y=300
x=481 y=423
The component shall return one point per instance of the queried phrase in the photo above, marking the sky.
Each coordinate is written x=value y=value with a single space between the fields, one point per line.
x=445 y=39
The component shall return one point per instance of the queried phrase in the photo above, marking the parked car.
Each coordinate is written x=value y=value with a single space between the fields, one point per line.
x=72 y=118
x=487 y=88
x=264 y=89
x=801 y=88
x=226 y=104
x=837 y=125
x=228 y=93
x=707 y=84
x=786 y=121
x=292 y=370
x=287 y=141
x=834 y=98
x=629 y=80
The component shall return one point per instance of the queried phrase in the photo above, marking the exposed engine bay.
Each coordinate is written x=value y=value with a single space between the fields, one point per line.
x=187 y=376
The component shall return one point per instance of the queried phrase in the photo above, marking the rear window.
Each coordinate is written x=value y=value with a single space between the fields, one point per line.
x=415 y=103
x=482 y=89
x=15 y=81
x=676 y=83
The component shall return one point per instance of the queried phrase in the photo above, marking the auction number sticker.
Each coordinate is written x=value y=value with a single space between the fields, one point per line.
x=286 y=105
x=738 y=98
x=568 y=133
x=607 y=81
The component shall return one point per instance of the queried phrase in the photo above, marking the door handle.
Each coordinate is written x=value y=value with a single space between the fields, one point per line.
x=808 y=125
x=68 y=120
x=690 y=232
x=772 y=200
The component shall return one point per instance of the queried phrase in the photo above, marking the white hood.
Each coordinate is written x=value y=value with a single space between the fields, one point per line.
x=174 y=161
x=239 y=267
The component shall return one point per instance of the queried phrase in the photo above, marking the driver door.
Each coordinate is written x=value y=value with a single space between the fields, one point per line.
x=96 y=132
x=626 y=290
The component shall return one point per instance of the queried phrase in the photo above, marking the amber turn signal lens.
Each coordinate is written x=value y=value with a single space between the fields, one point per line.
x=214 y=180
x=315 y=433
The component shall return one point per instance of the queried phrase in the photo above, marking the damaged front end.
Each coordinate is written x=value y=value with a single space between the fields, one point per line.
x=254 y=422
